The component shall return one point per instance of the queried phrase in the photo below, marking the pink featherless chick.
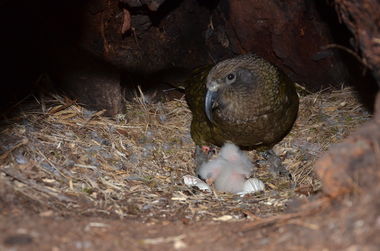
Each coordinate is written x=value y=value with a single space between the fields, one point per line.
x=229 y=170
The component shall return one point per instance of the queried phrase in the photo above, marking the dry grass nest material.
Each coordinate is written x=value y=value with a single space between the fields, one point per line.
x=72 y=160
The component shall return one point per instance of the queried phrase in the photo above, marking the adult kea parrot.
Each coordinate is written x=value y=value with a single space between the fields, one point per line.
x=243 y=100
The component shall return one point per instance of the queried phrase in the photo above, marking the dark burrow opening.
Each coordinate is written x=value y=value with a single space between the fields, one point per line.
x=73 y=41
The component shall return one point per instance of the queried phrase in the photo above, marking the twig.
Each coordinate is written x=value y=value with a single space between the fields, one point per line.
x=5 y=155
x=18 y=176
x=351 y=52
x=135 y=37
x=312 y=207
x=68 y=103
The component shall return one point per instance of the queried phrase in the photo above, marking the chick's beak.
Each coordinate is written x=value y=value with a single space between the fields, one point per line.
x=209 y=103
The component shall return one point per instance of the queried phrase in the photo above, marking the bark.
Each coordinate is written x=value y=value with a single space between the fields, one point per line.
x=290 y=34
x=363 y=20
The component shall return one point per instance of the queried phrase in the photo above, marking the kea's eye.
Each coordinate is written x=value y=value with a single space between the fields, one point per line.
x=230 y=78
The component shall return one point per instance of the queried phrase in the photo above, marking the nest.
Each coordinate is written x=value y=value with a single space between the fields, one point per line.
x=74 y=161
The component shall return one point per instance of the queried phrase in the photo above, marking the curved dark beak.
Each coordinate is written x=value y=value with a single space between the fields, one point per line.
x=209 y=103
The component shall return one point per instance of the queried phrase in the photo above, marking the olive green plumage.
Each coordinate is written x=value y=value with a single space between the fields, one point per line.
x=250 y=103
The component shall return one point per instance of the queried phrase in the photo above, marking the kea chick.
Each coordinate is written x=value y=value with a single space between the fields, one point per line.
x=244 y=100
x=228 y=171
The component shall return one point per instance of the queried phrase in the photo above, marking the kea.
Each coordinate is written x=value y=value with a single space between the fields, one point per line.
x=244 y=100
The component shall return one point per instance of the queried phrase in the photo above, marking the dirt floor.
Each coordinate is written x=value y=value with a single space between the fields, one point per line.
x=73 y=179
